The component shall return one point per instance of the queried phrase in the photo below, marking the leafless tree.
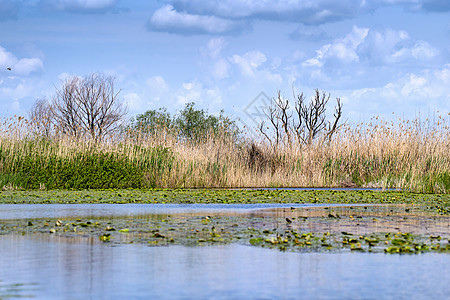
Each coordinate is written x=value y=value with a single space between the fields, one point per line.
x=308 y=122
x=280 y=118
x=88 y=106
x=64 y=108
x=40 y=117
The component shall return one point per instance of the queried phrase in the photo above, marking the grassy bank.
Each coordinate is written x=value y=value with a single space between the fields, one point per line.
x=409 y=155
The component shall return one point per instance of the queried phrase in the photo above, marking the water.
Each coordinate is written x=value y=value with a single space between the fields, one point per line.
x=34 y=211
x=57 y=266
x=319 y=189
x=51 y=267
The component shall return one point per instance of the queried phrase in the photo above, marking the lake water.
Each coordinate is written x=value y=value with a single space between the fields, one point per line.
x=51 y=267
x=34 y=211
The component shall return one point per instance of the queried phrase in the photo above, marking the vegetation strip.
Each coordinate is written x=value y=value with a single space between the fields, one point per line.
x=60 y=146
x=395 y=226
x=436 y=202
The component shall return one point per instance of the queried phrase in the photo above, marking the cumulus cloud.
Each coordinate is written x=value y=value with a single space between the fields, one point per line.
x=157 y=83
x=342 y=50
x=384 y=46
x=234 y=16
x=194 y=91
x=255 y=66
x=374 y=47
x=156 y=87
x=390 y=46
x=249 y=62
x=24 y=66
x=300 y=11
x=408 y=94
x=80 y=6
x=220 y=69
x=216 y=64
x=167 y=19
x=214 y=46
x=133 y=101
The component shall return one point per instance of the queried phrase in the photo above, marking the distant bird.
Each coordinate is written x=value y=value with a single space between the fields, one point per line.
x=8 y=68
x=289 y=221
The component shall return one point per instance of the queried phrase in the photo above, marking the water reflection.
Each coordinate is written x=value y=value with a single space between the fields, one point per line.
x=81 y=268
x=35 y=211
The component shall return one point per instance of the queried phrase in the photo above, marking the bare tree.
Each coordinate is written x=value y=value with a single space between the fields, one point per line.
x=64 y=108
x=280 y=119
x=306 y=124
x=40 y=117
x=88 y=106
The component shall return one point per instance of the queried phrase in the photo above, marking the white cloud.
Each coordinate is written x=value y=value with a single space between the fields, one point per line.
x=423 y=50
x=23 y=67
x=221 y=69
x=413 y=92
x=414 y=86
x=385 y=46
x=374 y=47
x=7 y=59
x=215 y=46
x=26 y=66
x=249 y=62
x=299 y=11
x=157 y=84
x=156 y=90
x=195 y=91
x=134 y=102
x=342 y=50
x=16 y=92
x=64 y=76
x=216 y=65
x=169 y=20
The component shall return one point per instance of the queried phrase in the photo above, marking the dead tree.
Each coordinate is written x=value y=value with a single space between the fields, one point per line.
x=40 y=116
x=280 y=119
x=88 y=106
x=298 y=125
x=314 y=115
x=308 y=122
x=337 y=116
x=64 y=108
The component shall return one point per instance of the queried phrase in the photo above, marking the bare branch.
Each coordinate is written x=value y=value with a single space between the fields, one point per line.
x=88 y=106
x=41 y=117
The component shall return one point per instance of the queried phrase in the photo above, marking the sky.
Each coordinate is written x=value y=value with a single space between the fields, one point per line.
x=379 y=57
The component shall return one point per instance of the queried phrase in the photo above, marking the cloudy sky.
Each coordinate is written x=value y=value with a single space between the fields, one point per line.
x=378 y=56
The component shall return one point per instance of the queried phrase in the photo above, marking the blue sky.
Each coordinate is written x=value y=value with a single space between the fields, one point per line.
x=379 y=56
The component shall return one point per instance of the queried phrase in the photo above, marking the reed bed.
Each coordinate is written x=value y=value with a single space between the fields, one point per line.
x=411 y=155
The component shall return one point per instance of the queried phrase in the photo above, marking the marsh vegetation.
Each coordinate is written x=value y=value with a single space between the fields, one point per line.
x=78 y=141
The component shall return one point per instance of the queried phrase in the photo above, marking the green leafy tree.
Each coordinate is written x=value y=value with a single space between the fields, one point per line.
x=190 y=124
x=151 y=121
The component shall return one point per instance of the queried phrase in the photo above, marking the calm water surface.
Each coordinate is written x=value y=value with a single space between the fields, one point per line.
x=51 y=267
x=35 y=211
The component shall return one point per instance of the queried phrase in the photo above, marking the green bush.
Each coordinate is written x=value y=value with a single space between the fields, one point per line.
x=22 y=168
x=191 y=124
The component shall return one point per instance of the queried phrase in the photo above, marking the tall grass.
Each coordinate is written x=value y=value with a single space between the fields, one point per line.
x=411 y=155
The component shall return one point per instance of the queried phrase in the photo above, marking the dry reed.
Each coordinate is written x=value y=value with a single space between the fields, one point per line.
x=411 y=155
